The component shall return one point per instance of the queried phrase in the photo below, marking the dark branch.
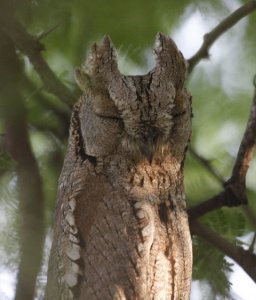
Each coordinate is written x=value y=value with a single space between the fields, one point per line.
x=228 y=197
x=32 y=48
x=244 y=258
x=222 y=27
x=245 y=152
x=234 y=193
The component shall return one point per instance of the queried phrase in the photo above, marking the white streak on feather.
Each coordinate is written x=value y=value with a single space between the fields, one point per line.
x=73 y=252
x=70 y=218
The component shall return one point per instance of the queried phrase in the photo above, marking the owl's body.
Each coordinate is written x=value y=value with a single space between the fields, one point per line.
x=121 y=229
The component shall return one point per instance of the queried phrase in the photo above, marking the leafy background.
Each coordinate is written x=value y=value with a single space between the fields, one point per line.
x=221 y=87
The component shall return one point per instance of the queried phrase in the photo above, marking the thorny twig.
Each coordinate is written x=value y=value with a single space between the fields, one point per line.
x=234 y=189
x=222 y=27
x=32 y=48
x=43 y=34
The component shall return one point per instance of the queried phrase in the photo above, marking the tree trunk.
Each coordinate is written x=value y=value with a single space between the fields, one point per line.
x=121 y=228
x=29 y=185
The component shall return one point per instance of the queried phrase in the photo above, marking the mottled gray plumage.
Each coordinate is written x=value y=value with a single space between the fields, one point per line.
x=121 y=228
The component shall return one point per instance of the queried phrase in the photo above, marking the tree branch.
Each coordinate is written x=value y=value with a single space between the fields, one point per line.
x=212 y=36
x=234 y=193
x=245 y=152
x=32 y=48
x=245 y=258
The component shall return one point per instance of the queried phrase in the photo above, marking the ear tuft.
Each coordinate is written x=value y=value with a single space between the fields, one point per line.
x=106 y=42
x=101 y=61
x=164 y=43
x=159 y=41
x=170 y=63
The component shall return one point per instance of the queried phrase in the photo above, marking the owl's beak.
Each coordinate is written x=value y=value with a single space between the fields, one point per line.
x=148 y=148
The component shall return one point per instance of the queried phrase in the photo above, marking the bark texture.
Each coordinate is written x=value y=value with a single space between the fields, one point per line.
x=121 y=229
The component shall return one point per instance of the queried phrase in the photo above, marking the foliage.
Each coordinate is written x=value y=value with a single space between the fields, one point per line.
x=211 y=266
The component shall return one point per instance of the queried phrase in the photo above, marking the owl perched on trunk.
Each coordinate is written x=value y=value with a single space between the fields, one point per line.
x=121 y=228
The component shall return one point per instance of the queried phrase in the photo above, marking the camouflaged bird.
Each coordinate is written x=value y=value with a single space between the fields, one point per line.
x=121 y=228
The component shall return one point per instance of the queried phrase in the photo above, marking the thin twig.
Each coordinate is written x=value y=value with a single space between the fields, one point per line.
x=222 y=27
x=206 y=163
x=244 y=258
x=43 y=34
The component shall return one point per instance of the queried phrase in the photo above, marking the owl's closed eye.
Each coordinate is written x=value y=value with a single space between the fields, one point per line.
x=135 y=113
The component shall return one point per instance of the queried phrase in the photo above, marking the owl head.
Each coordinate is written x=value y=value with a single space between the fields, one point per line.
x=150 y=113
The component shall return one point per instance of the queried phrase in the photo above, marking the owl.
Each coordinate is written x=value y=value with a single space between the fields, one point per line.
x=121 y=229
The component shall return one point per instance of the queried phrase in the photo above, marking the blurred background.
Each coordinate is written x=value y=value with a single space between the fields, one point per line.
x=35 y=122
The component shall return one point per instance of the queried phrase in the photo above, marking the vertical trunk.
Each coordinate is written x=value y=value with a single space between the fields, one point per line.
x=16 y=140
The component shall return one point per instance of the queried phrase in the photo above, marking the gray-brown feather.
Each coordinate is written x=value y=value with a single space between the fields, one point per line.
x=121 y=229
